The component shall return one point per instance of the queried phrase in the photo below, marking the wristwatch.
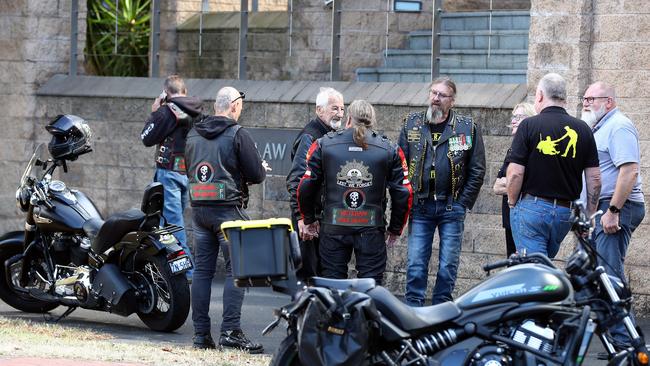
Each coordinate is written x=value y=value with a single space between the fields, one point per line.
x=614 y=209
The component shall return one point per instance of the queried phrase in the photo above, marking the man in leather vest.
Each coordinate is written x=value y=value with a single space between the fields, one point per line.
x=356 y=166
x=171 y=118
x=222 y=161
x=446 y=163
x=329 y=115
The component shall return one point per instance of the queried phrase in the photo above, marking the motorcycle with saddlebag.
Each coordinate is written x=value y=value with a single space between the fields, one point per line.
x=531 y=313
x=68 y=255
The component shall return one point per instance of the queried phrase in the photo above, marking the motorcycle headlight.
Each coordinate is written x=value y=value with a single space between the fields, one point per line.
x=22 y=198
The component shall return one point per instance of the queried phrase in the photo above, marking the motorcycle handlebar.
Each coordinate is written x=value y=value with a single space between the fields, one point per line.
x=519 y=259
x=498 y=264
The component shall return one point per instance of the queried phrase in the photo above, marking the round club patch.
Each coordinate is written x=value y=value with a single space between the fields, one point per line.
x=354 y=199
x=204 y=172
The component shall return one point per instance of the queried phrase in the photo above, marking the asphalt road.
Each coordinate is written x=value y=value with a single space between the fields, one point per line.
x=257 y=313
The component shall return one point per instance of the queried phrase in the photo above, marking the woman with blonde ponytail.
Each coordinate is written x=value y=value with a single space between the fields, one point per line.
x=356 y=167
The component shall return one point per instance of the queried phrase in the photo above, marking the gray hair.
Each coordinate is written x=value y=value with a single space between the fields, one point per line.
x=324 y=95
x=224 y=97
x=553 y=86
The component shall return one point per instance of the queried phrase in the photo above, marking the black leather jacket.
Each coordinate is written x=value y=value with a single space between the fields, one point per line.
x=222 y=160
x=355 y=182
x=459 y=158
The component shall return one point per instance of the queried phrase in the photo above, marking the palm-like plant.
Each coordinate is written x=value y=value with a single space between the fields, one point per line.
x=129 y=57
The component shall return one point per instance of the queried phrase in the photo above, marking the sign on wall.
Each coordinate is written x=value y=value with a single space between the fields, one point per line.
x=274 y=146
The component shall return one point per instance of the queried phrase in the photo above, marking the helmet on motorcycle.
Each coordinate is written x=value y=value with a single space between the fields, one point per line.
x=70 y=137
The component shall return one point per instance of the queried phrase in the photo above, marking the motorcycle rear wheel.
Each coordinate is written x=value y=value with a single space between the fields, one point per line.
x=171 y=296
x=287 y=353
x=13 y=298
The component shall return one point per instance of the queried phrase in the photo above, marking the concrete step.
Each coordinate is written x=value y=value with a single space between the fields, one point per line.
x=498 y=39
x=458 y=75
x=481 y=20
x=458 y=59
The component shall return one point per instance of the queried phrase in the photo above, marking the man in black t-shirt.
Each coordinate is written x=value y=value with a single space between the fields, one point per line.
x=550 y=152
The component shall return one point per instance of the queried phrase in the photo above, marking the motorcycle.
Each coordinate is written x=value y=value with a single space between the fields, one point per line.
x=68 y=255
x=529 y=313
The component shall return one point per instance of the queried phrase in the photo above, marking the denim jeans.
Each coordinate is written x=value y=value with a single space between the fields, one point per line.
x=176 y=197
x=426 y=216
x=539 y=226
x=613 y=247
x=369 y=252
x=208 y=240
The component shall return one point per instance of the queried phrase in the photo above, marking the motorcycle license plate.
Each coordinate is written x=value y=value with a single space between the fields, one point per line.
x=180 y=264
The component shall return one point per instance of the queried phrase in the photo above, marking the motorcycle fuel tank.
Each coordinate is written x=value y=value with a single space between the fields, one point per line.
x=522 y=283
x=71 y=209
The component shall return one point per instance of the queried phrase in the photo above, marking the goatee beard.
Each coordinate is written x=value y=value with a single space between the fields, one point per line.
x=335 y=124
x=434 y=116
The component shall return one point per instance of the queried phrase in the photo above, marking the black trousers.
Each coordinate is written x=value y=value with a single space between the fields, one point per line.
x=309 y=252
x=369 y=249
x=510 y=243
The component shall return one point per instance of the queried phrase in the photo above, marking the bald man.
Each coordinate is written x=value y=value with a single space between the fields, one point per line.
x=222 y=161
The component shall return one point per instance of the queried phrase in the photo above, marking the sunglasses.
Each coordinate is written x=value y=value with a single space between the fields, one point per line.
x=241 y=96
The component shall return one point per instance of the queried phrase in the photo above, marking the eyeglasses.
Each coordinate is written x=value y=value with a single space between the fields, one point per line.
x=241 y=96
x=590 y=100
x=519 y=117
x=437 y=94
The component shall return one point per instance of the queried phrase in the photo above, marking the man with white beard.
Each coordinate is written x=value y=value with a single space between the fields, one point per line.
x=329 y=116
x=621 y=197
x=446 y=167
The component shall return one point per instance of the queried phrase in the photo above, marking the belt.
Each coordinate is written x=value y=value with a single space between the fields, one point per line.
x=554 y=201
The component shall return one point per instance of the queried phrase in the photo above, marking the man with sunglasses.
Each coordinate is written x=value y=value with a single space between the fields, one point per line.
x=446 y=167
x=621 y=197
x=222 y=161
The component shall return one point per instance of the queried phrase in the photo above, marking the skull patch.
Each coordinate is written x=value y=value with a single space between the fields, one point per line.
x=204 y=172
x=354 y=199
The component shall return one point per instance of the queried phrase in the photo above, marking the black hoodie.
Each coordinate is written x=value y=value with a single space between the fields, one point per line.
x=230 y=152
x=162 y=122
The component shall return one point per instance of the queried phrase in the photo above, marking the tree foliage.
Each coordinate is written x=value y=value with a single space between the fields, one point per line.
x=130 y=57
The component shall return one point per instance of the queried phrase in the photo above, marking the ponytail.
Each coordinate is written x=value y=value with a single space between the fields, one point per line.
x=362 y=115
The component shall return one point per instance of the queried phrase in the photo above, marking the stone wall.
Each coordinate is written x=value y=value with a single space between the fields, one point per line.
x=35 y=43
x=606 y=40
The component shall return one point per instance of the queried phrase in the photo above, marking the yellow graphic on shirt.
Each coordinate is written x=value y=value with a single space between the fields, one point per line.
x=547 y=146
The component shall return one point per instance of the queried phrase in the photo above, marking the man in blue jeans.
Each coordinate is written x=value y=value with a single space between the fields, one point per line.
x=171 y=118
x=222 y=161
x=621 y=197
x=550 y=152
x=446 y=165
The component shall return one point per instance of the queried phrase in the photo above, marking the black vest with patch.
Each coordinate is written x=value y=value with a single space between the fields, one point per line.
x=171 y=152
x=213 y=174
x=355 y=181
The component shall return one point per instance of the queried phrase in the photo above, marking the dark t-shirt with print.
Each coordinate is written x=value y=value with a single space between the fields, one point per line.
x=436 y=132
x=555 y=148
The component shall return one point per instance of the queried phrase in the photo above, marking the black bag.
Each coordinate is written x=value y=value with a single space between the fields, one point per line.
x=335 y=328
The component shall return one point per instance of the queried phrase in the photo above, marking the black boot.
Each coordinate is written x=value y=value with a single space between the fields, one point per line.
x=203 y=341
x=237 y=339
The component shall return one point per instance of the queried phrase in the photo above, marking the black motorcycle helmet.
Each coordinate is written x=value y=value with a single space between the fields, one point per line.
x=70 y=137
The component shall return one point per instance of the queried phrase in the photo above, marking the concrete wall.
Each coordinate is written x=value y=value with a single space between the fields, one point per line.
x=587 y=41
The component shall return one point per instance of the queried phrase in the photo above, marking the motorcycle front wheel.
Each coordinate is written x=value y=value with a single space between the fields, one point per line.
x=287 y=353
x=164 y=302
x=13 y=298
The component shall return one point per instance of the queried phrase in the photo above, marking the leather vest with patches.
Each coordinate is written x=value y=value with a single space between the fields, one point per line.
x=213 y=174
x=450 y=155
x=355 y=179
x=171 y=152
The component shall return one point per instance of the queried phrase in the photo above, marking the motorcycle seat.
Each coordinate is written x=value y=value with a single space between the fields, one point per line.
x=408 y=318
x=355 y=284
x=114 y=229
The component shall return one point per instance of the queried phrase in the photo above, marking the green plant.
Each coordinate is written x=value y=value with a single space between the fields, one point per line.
x=130 y=57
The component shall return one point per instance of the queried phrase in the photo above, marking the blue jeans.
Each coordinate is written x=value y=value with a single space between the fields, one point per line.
x=426 y=216
x=176 y=197
x=539 y=226
x=208 y=240
x=613 y=247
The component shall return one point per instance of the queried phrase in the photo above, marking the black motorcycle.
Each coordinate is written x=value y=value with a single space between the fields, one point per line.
x=68 y=255
x=530 y=313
